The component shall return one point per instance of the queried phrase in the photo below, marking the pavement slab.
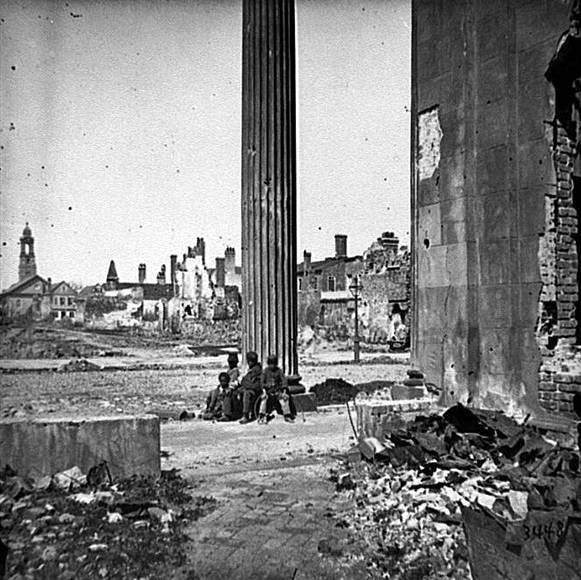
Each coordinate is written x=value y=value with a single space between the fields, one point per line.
x=282 y=541
x=276 y=503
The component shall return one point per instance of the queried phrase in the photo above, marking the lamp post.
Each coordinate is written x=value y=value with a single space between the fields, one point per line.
x=355 y=288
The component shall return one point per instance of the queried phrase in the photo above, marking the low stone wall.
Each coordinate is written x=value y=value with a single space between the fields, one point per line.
x=129 y=444
x=374 y=414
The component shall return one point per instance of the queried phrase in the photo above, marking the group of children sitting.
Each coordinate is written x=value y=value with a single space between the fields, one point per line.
x=255 y=396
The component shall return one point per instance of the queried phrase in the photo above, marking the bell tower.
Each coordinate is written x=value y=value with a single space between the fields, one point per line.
x=27 y=265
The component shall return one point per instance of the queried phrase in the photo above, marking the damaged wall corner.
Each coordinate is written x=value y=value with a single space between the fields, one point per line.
x=483 y=172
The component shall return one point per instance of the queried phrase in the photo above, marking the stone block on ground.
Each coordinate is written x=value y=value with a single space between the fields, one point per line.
x=305 y=402
x=294 y=385
x=129 y=444
x=373 y=415
x=406 y=392
x=167 y=414
x=413 y=382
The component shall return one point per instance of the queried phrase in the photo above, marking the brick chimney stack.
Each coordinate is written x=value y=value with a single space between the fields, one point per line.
x=220 y=278
x=173 y=260
x=161 y=275
x=230 y=257
x=340 y=246
x=141 y=273
x=307 y=260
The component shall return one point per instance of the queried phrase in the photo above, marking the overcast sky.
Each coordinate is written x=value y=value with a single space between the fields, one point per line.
x=120 y=129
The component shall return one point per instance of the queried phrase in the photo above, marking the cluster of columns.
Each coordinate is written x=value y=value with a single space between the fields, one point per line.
x=269 y=323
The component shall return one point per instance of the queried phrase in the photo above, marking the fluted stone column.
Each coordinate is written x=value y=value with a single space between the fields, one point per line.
x=269 y=181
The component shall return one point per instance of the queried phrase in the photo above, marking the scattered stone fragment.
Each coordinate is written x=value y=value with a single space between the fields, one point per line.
x=330 y=546
x=69 y=478
x=114 y=517
x=49 y=554
x=98 y=547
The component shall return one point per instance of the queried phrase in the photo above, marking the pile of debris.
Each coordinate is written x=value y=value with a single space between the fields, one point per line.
x=467 y=485
x=75 y=526
x=338 y=391
x=78 y=365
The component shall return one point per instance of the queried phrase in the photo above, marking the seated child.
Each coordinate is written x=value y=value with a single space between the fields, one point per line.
x=274 y=383
x=215 y=400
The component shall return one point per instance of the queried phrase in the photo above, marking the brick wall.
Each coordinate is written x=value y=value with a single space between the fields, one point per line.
x=560 y=372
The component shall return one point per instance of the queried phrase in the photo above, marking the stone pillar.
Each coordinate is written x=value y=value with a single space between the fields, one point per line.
x=269 y=181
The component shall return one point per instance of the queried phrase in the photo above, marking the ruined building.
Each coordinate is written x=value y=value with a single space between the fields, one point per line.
x=326 y=302
x=34 y=297
x=226 y=280
x=195 y=289
x=385 y=286
x=189 y=292
x=495 y=202
x=116 y=304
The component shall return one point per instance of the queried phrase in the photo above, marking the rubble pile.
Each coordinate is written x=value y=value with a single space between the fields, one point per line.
x=78 y=365
x=338 y=391
x=427 y=478
x=74 y=526
x=211 y=332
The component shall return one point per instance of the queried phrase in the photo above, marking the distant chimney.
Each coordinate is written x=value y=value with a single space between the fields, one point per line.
x=200 y=249
x=340 y=246
x=161 y=275
x=49 y=285
x=307 y=260
x=390 y=242
x=173 y=260
x=141 y=273
x=220 y=277
x=230 y=260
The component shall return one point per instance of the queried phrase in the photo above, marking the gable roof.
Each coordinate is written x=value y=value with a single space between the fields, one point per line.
x=87 y=291
x=321 y=265
x=63 y=284
x=19 y=287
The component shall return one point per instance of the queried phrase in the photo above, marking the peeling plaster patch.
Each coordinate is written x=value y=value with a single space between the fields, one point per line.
x=429 y=139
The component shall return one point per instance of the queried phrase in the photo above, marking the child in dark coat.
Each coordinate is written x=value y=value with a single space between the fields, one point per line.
x=215 y=400
x=275 y=387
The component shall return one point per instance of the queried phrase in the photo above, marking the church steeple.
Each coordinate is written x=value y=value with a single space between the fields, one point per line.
x=112 y=277
x=27 y=265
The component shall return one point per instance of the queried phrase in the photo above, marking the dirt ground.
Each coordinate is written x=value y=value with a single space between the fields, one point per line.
x=38 y=393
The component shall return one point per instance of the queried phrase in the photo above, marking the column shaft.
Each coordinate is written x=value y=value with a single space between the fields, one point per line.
x=269 y=323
